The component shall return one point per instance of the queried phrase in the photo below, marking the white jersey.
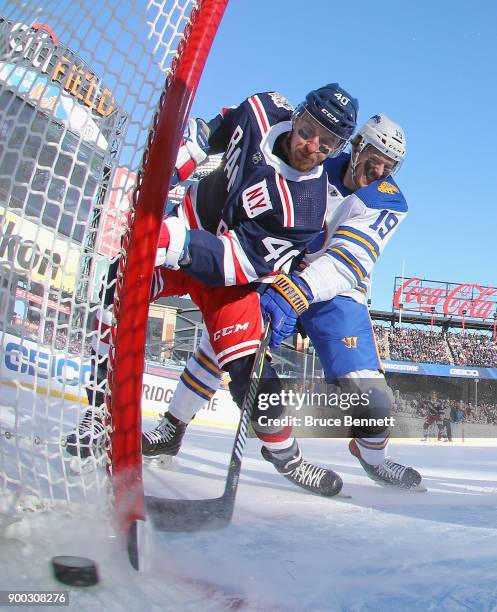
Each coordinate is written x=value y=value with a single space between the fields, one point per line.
x=358 y=228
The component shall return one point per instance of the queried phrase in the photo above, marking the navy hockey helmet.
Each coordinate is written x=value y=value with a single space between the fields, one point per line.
x=334 y=108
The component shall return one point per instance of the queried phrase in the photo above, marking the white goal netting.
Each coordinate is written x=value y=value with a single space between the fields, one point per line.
x=79 y=84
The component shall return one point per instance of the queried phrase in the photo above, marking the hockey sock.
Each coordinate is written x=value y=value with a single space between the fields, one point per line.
x=373 y=450
x=198 y=383
x=263 y=414
x=284 y=449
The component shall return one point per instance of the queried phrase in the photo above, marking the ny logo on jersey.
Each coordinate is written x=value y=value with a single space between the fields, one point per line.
x=256 y=199
x=350 y=342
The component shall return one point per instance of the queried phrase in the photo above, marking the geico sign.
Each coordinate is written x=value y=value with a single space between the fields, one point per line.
x=461 y=372
x=38 y=364
x=231 y=329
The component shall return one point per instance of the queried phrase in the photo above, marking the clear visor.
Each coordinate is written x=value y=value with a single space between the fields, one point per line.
x=376 y=161
x=308 y=128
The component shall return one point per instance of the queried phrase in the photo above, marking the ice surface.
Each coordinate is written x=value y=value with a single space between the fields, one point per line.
x=286 y=549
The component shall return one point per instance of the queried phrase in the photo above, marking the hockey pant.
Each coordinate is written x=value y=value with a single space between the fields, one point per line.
x=201 y=378
x=233 y=320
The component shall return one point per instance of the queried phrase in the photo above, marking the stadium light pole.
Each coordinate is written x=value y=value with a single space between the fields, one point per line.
x=477 y=380
x=313 y=362
x=401 y=304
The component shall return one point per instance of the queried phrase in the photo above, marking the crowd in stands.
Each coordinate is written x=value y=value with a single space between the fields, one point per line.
x=74 y=344
x=473 y=349
x=458 y=411
x=419 y=345
x=402 y=343
x=411 y=344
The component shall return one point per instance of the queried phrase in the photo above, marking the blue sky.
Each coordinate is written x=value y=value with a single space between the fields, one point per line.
x=428 y=65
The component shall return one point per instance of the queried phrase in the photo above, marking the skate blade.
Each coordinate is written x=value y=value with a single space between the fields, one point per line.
x=163 y=462
x=420 y=488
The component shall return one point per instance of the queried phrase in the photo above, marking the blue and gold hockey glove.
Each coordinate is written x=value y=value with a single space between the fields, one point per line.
x=283 y=302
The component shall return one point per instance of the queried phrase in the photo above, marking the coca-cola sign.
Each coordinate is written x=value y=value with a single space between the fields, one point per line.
x=451 y=299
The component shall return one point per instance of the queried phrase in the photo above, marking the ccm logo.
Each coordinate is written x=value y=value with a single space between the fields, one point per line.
x=329 y=115
x=464 y=372
x=231 y=329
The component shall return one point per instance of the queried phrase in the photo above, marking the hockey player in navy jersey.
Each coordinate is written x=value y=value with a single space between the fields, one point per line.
x=243 y=222
x=434 y=414
x=331 y=286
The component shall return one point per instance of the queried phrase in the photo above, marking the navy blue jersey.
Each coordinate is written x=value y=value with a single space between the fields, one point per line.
x=255 y=212
x=434 y=409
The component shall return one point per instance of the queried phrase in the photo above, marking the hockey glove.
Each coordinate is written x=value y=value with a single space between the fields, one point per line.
x=193 y=150
x=172 y=250
x=283 y=302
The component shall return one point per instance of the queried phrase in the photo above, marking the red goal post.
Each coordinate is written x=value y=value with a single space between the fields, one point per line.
x=140 y=244
x=80 y=86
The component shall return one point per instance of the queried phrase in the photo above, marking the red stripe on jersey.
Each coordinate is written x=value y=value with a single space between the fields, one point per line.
x=186 y=169
x=241 y=279
x=287 y=202
x=189 y=212
x=261 y=115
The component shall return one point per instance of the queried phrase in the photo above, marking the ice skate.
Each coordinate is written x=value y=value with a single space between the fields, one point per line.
x=310 y=477
x=165 y=439
x=87 y=439
x=389 y=473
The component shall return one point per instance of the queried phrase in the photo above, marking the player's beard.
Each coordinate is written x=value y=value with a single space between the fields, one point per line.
x=303 y=161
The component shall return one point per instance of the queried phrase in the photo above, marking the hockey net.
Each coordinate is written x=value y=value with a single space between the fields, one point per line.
x=93 y=100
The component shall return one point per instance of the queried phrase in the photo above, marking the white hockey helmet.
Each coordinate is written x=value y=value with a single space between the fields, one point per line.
x=386 y=135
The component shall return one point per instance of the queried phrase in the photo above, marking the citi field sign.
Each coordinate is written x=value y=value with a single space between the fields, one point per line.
x=463 y=300
x=37 y=46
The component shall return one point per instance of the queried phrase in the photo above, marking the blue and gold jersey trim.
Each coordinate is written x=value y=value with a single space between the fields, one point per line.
x=362 y=287
x=351 y=262
x=359 y=238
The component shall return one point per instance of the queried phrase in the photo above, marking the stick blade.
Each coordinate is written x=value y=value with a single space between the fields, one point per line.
x=188 y=514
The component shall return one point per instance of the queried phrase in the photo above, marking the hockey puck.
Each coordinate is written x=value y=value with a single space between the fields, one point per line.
x=76 y=571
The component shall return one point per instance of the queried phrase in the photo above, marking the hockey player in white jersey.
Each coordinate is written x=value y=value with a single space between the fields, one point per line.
x=328 y=293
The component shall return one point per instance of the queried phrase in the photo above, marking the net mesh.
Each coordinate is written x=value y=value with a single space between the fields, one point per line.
x=79 y=85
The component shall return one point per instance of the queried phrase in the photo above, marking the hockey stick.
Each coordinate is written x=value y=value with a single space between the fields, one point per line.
x=214 y=513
